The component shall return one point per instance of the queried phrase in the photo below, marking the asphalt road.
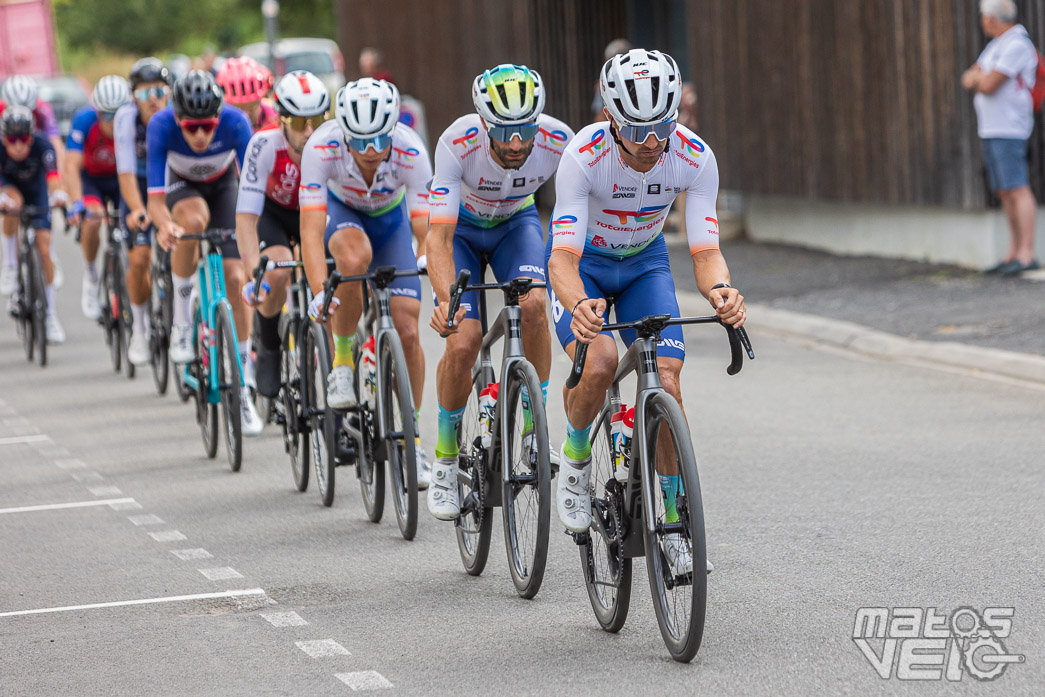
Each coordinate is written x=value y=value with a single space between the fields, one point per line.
x=830 y=483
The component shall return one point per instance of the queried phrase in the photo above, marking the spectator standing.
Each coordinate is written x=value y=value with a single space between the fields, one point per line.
x=372 y=64
x=1002 y=79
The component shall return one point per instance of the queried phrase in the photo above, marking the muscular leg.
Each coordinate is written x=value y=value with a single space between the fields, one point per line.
x=192 y=215
x=351 y=250
x=278 y=280
x=138 y=274
x=89 y=237
x=405 y=312
x=235 y=278
x=10 y=229
x=43 y=245
x=537 y=340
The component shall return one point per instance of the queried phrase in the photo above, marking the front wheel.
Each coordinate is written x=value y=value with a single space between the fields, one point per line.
x=229 y=383
x=206 y=413
x=160 y=317
x=39 y=309
x=322 y=421
x=111 y=313
x=527 y=478
x=400 y=437
x=294 y=404
x=679 y=596
x=474 y=527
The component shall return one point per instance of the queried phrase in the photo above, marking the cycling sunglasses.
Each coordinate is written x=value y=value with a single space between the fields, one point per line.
x=504 y=134
x=195 y=125
x=639 y=134
x=159 y=92
x=298 y=123
x=378 y=143
x=107 y=115
x=24 y=138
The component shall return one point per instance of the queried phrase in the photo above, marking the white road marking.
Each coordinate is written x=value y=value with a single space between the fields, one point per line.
x=364 y=680
x=147 y=519
x=104 y=490
x=147 y=601
x=14 y=440
x=167 y=536
x=322 y=648
x=187 y=554
x=71 y=464
x=220 y=573
x=130 y=505
x=284 y=619
x=85 y=477
x=57 y=506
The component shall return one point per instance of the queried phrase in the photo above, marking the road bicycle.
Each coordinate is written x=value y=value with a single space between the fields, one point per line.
x=381 y=428
x=214 y=377
x=116 y=318
x=161 y=318
x=628 y=511
x=510 y=467
x=28 y=303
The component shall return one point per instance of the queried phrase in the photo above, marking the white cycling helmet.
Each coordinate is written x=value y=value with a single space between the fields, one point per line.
x=508 y=95
x=19 y=90
x=111 y=93
x=300 y=93
x=641 y=87
x=367 y=108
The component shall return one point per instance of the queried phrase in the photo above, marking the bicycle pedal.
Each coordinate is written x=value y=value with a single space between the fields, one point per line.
x=580 y=538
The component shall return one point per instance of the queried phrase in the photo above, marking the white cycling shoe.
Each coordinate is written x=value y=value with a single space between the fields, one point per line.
x=8 y=280
x=138 y=351
x=443 y=500
x=424 y=469
x=680 y=558
x=250 y=422
x=341 y=392
x=89 y=299
x=53 y=330
x=181 y=349
x=572 y=496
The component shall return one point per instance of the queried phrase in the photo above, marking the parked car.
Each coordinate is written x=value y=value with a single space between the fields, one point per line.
x=321 y=57
x=66 y=93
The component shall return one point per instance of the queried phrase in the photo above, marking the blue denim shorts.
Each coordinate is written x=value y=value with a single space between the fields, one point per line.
x=1006 y=163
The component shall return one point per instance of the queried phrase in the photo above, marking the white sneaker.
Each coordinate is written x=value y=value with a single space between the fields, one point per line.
x=181 y=349
x=443 y=500
x=89 y=299
x=572 y=496
x=424 y=470
x=341 y=393
x=8 y=280
x=250 y=423
x=58 y=279
x=138 y=352
x=53 y=329
x=680 y=557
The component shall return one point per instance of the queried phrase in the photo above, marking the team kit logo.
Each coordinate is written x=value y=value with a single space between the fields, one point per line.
x=643 y=215
x=407 y=155
x=438 y=194
x=556 y=137
x=598 y=142
x=693 y=147
x=469 y=138
x=328 y=148
x=562 y=225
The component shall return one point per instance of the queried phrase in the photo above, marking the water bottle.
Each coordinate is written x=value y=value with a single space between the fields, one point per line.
x=369 y=361
x=621 y=425
x=487 y=406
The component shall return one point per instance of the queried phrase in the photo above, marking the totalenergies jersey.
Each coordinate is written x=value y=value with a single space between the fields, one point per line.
x=468 y=184
x=327 y=165
x=167 y=148
x=268 y=172
x=603 y=206
x=99 y=151
x=129 y=133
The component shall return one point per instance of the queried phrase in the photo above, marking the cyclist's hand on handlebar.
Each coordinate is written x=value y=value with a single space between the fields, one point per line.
x=138 y=219
x=315 y=308
x=75 y=213
x=7 y=203
x=58 y=198
x=439 y=320
x=588 y=319
x=422 y=262
x=167 y=235
x=729 y=305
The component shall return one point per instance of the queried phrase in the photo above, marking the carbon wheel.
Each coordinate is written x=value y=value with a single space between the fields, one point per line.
x=321 y=417
x=473 y=528
x=400 y=445
x=229 y=383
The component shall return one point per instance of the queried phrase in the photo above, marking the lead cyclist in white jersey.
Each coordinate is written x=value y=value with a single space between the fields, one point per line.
x=614 y=189
x=487 y=167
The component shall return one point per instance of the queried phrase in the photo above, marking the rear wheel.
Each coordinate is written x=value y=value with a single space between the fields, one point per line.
x=400 y=440
x=38 y=308
x=474 y=526
x=111 y=313
x=321 y=417
x=160 y=310
x=678 y=598
x=229 y=383
x=371 y=472
x=526 y=484
x=124 y=316
x=293 y=401
x=206 y=413
x=24 y=309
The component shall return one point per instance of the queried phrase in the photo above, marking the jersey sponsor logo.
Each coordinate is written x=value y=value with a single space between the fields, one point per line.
x=621 y=187
x=557 y=309
x=311 y=187
x=672 y=343
x=598 y=241
x=564 y=222
x=328 y=148
x=488 y=185
x=642 y=215
x=712 y=230
x=438 y=194
x=407 y=155
x=623 y=194
x=530 y=268
x=597 y=143
x=556 y=137
x=653 y=189
x=469 y=138
x=691 y=146
x=519 y=181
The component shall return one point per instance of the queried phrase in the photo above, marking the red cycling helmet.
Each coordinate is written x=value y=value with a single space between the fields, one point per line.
x=244 y=80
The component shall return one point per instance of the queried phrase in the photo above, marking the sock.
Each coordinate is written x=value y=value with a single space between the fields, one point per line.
x=527 y=414
x=268 y=329
x=449 y=423
x=182 y=299
x=343 y=351
x=244 y=350
x=141 y=319
x=92 y=273
x=577 y=447
x=671 y=485
x=11 y=251
x=49 y=294
x=417 y=428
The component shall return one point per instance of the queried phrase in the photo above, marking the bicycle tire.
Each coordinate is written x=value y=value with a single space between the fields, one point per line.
x=527 y=469
x=24 y=325
x=293 y=399
x=158 y=346
x=320 y=415
x=602 y=557
x=682 y=641
x=398 y=404
x=206 y=413
x=229 y=383
x=474 y=528
x=124 y=316
x=370 y=472
x=110 y=312
x=39 y=307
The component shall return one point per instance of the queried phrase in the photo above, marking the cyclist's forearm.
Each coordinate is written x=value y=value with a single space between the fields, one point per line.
x=313 y=251
x=71 y=176
x=709 y=269
x=420 y=229
x=129 y=191
x=247 y=240
x=158 y=211
x=441 y=269
x=565 y=276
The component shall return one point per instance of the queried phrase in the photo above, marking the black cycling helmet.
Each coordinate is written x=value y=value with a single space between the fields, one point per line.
x=17 y=121
x=149 y=70
x=197 y=96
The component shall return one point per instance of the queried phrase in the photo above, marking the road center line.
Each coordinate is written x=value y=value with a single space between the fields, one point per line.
x=57 y=506
x=14 y=440
x=146 y=601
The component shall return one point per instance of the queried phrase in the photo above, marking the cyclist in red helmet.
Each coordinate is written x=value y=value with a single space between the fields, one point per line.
x=246 y=83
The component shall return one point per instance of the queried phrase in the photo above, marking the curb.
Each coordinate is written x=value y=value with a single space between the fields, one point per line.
x=857 y=338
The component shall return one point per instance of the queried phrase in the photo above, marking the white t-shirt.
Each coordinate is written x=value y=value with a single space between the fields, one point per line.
x=1009 y=112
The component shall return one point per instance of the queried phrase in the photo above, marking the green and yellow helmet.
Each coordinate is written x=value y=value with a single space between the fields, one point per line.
x=508 y=95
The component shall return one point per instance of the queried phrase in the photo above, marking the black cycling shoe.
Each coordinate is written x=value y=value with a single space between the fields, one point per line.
x=267 y=372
